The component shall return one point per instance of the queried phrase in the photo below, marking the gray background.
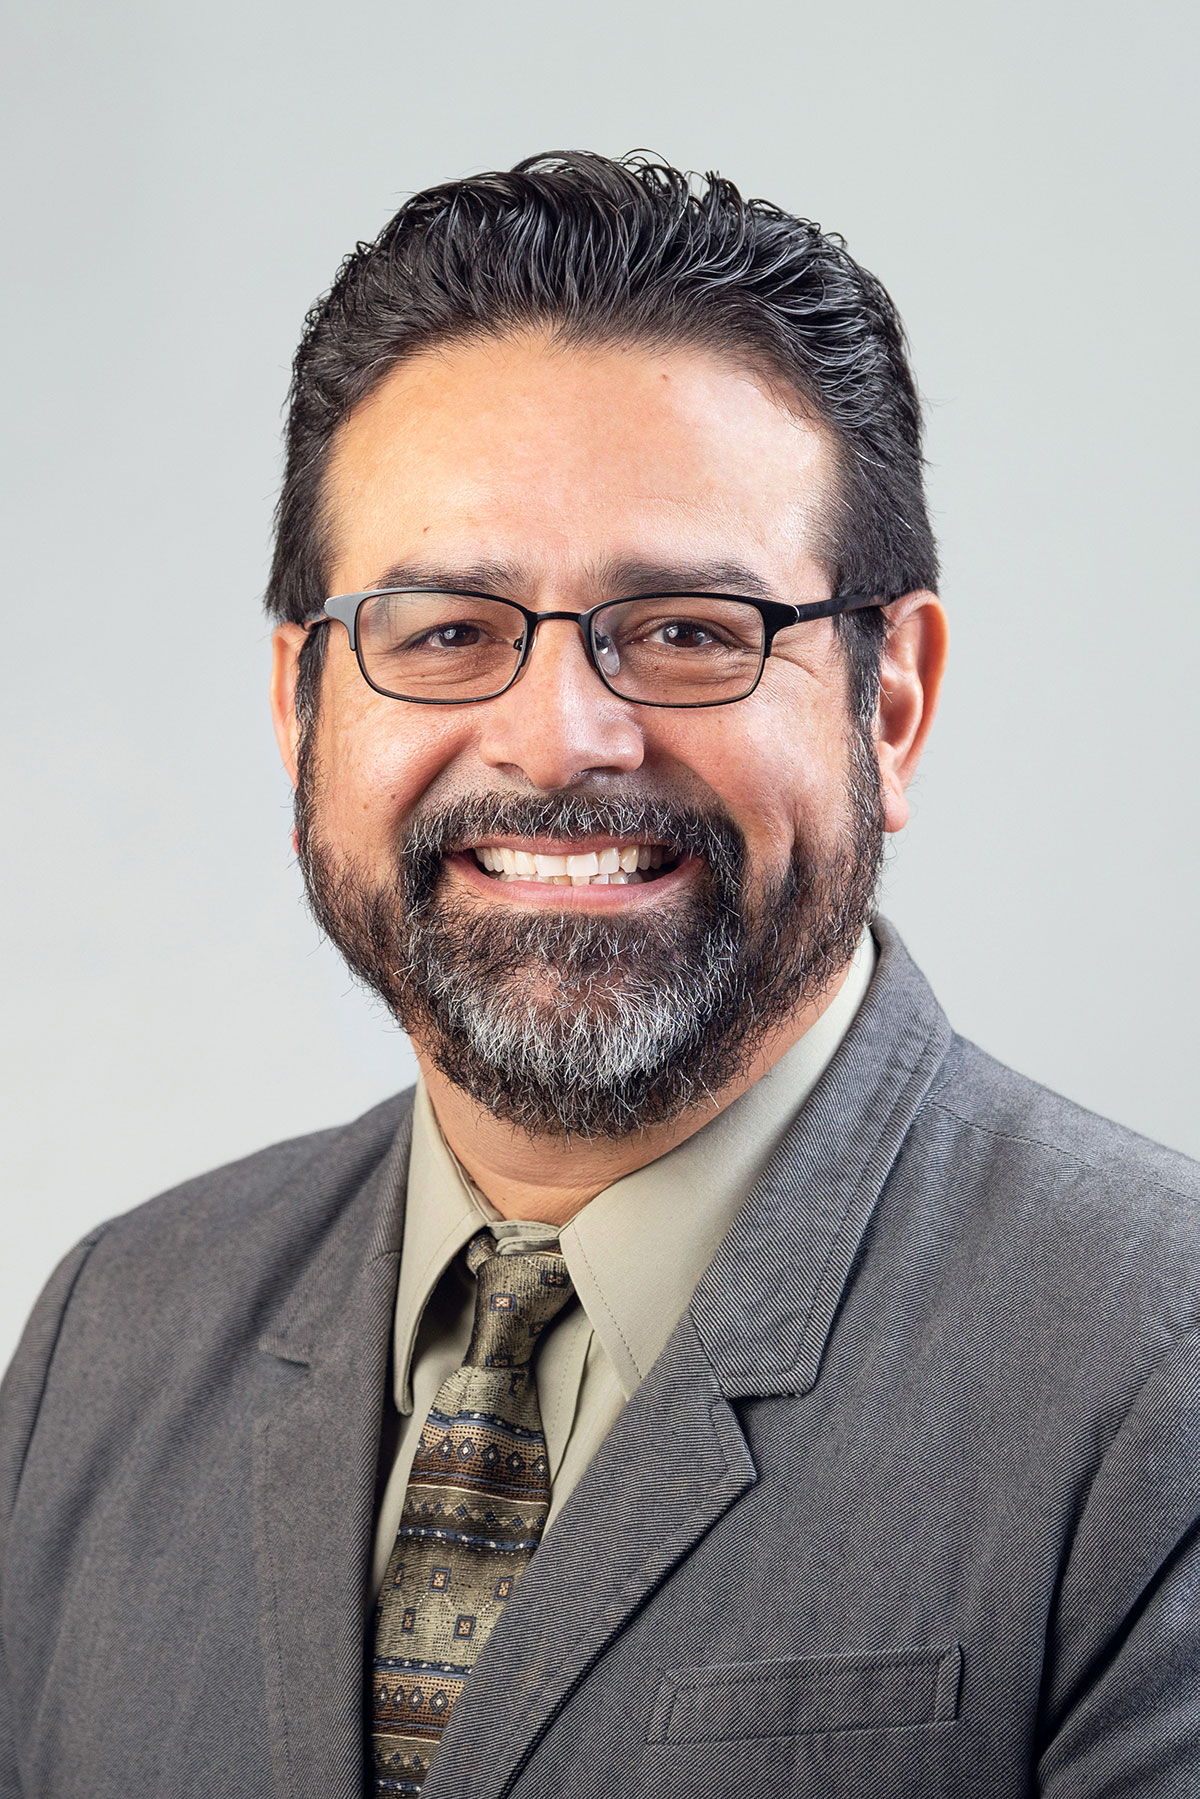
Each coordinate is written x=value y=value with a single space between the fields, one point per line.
x=181 y=182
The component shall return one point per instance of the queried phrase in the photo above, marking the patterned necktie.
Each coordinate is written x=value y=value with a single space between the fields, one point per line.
x=474 y=1513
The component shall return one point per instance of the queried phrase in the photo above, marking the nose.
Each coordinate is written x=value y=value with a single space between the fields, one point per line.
x=559 y=723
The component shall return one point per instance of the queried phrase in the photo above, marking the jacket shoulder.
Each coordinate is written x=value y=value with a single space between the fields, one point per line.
x=1032 y=1124
x=209 y=1258
x=1104 y=1223
x=1080 y=1235
x=237 y=1194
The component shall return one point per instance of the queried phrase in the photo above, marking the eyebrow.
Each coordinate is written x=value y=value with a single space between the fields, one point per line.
x=615 y=578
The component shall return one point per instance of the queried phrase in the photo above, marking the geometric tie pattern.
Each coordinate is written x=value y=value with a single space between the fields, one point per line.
x=474 y=1513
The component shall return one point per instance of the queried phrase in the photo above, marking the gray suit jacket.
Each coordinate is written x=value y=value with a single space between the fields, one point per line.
x=907 y=1506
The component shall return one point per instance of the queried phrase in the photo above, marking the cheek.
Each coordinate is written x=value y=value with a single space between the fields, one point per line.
x=778 y=768
x=377 y=758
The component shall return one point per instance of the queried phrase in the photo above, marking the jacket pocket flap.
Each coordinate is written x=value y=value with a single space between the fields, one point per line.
x=818 y=1693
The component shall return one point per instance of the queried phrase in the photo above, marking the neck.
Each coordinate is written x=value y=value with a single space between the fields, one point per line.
x=550 y=1180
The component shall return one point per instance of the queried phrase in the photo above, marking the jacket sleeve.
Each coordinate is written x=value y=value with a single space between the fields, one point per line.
x=1123 y=1702
x=20 y=1402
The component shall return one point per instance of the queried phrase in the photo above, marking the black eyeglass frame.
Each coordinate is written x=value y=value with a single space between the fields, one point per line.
x=775 y=614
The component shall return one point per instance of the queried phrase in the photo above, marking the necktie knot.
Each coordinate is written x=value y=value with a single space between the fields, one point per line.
x=517 y=1297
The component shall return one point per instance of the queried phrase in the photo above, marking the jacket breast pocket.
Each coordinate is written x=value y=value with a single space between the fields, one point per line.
x=741 y=1702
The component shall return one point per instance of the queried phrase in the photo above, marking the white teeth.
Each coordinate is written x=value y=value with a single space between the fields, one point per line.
x=620 y=879
x=616 y=865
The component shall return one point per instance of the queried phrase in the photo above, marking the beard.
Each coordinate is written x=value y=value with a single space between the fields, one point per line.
x=576 y=1024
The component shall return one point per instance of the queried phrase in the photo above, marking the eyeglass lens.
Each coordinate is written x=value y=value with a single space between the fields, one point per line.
x=694 y=650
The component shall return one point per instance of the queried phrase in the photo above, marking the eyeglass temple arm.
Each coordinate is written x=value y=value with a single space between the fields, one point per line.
x=843 y=602
x=778 y=617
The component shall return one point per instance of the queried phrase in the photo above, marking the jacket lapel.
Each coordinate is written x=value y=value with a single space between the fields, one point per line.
x=673 y=1463
x=316 y=1444
x=766 y=1306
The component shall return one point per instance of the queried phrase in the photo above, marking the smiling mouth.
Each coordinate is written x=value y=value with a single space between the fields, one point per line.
x=607 y=865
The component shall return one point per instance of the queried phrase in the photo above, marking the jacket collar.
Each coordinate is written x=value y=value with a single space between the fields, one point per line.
x=349 y=1203
x=765 y=1308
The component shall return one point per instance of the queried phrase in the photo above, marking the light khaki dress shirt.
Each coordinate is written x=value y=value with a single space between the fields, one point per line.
x=635 y=1254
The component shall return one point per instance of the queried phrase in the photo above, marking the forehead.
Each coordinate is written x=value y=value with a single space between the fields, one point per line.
x=557 y=460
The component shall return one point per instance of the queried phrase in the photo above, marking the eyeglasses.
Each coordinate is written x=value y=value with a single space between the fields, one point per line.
x=452 y=649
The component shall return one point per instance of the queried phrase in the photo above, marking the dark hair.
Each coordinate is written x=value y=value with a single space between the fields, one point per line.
x=617 y=251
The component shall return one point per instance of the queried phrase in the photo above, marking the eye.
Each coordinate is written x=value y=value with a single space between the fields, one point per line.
x=454 y=637
x=685 y=634
x=454 y=634
x=692 y=634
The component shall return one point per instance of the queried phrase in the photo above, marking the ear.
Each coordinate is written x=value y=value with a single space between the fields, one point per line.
x=910 y=678
x=286 y=645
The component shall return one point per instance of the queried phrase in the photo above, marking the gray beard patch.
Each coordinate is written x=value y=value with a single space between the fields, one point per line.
x=587 y=1024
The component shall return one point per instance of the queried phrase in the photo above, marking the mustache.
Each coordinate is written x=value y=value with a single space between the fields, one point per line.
x=681 y=830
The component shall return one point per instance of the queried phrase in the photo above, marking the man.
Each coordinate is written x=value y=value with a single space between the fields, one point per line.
x=716 y=1378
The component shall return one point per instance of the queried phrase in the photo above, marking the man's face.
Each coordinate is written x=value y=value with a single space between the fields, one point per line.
x=561 y=478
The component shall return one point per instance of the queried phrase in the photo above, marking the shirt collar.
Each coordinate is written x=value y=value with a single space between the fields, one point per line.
x=442 y=1213
x=638 y=1249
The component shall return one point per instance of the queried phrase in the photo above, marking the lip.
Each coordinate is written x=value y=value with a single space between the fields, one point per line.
x=543 y=893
